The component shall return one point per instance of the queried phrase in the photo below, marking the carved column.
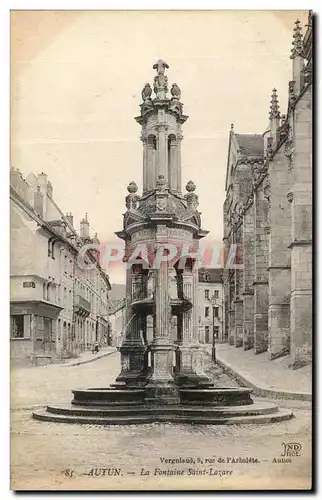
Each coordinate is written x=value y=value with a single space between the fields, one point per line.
x=190 y=355
x=145 y=163
x=179 y=139
x=249 y=276
x=151 y=162
x=132 y=349
x=261 y=273
x=162 y=148
x=160 y=387
x=231 y=307
x=173 y=164
x=238 y=301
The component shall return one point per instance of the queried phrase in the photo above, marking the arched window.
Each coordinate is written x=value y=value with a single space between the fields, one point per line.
x=152 y=141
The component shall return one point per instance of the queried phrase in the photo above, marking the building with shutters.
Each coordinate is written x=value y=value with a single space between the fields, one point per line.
x=59 y=292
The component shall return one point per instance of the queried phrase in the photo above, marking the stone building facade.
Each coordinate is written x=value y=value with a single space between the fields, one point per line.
x=268 y=216
x=59 y=292
x=210 y=300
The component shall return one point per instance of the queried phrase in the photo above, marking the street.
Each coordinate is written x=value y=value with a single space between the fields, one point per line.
x=62 y=456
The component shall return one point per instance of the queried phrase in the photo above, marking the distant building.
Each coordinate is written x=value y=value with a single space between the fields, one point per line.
x=210 y=301
x=116 y=308
x=58 y=303
x=268 y=215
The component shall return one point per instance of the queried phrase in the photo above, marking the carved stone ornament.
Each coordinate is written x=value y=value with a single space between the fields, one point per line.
x=290 y=196
x=190 y=197
x=132 y=199
x=161 y=203
x=160 y=80
x=175 y=92
x=269 y=149
x=297 y=50
x=146 y=92
x=267 y=192
x=161 y=183
x=190 y=187
x=289 y=148
x=284 y=128
x=291 y=92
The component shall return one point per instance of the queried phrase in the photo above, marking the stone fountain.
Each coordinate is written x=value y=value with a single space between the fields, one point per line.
x=162 y=377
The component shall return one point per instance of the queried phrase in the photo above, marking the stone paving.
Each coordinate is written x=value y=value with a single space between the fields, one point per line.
x=56 y=456
x=262 y=372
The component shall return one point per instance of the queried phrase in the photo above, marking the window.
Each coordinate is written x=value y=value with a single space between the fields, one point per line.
x=216 y=332
x=17 y=327
x=216 y=294
x=207 y=312
x=207 y=334
x=216 y=312
x=206 y=294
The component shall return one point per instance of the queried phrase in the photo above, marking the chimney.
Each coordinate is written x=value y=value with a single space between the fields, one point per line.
x=84 y=228
x=39 y=202
x=70 y=218
x=50 y=189
x=42 y=182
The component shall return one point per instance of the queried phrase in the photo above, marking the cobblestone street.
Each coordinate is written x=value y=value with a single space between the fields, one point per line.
x=56 y=456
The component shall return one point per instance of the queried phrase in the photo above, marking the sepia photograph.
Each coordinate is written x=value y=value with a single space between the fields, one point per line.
x=161 y=250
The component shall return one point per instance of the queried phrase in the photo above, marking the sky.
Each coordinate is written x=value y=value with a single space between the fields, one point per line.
x=76 y=81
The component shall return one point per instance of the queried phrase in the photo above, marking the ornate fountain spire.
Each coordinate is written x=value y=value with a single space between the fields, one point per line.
x=297 y=50
x=274 y=108
x=160 y=80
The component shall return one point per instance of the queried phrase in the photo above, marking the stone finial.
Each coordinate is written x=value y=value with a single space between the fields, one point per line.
x=160 y=66
x=274 y=108
x=191 y=197
x=131 y=200
x=297 y=50
x=96 y=239
x=161 y=182
x=146 y=92
x=132 y=187
x=190 y=187
x=175 y=91
x=160 y=86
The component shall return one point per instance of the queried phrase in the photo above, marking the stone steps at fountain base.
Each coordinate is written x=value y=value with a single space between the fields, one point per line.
x=103 y=411
x=258 y=413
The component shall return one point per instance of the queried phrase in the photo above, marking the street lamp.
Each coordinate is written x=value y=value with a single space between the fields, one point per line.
x=215 y=303
x=213 y=350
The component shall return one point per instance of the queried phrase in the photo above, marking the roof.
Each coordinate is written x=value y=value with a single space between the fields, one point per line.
x=210 y=275
x=250 y=144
